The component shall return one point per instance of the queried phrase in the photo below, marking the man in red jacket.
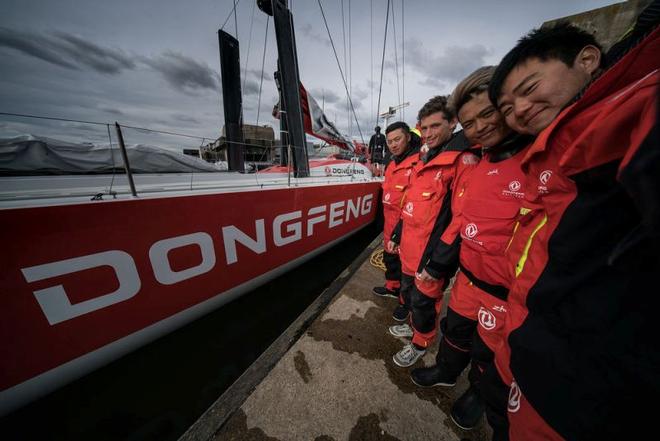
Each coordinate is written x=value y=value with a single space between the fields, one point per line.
x=483 y=222
x=397 y=177
x=580 y=357
x=426 y=213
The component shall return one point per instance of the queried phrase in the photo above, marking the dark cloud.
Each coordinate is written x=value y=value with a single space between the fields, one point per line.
x=100 y=59
x=73 y=52
x=111 y=110
x=452 y=65
x=184 y=73
x=66 y=50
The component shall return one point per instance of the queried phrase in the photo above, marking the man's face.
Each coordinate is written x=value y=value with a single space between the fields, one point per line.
x=436 y=130
x=536 y=91
x=482 y=123
x=397 y=141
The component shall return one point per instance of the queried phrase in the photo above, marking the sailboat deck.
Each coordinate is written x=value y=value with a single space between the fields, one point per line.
x=337 y=380
x=18 y=191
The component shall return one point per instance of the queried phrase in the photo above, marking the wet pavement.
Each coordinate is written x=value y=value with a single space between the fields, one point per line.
x=337 y=381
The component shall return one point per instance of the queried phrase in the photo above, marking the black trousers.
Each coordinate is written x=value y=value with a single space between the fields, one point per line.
x=496 y=397
x=392 y=266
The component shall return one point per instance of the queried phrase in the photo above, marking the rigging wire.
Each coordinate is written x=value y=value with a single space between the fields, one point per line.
x=229 y=15
x=343 y=35
x=403 y=63
x=240 y=121
x=235 y=20
x=112 y=156
x=247 y=58
x=334 y=50
x=53 y=118
x=396 y=56
x=263 y=61
x=382 y=63
x=350 y=64
x=371 y=53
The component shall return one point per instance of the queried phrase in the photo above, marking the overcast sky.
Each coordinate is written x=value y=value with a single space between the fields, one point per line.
x=155 y=63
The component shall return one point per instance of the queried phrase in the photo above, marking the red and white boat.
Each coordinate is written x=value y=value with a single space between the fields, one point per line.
x=84 y=282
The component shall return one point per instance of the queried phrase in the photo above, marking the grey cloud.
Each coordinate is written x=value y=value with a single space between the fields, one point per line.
x=111 y=110
x=329 y=96
x=309 y=31
x=455 y=63
x=267 y=76
x=186 y=119
x=434 y=83
x=359 y=94
x=100 y=59
x=250 y=87
x=183 y=73
x=66 y=50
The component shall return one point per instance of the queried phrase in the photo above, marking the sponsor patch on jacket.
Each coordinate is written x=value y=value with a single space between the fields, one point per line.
x=469 y=159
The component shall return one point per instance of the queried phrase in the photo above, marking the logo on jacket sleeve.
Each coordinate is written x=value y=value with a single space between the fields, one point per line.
x=487 y=319
x=471 y=230
x=514 y=398
x=409 y=208
x=386 y=198
x=544 y=177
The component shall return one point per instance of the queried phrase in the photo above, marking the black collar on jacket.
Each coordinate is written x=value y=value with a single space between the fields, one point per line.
x=457 y=143
x=404 y=155
x=511 y=145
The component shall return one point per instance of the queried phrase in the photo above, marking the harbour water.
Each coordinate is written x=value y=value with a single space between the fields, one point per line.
x=160 y=390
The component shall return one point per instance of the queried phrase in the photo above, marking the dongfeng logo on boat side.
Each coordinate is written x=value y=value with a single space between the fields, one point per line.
x=343 y=171
x=257 y=236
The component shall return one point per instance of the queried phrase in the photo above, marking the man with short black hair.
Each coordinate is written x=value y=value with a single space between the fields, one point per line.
x=580 y=349
x=395 y=185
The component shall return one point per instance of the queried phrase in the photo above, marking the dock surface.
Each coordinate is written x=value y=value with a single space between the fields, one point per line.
x=331 y=377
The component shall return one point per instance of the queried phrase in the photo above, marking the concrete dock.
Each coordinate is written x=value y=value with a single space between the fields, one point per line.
x=330 y=376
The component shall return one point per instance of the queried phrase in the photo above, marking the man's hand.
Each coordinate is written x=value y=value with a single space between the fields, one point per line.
x=392 y=247
x=425 y=277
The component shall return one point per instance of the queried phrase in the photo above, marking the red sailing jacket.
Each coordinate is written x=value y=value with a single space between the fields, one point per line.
x=427 y=210
x=581 y=344
x=397 y=178
x=485 y=222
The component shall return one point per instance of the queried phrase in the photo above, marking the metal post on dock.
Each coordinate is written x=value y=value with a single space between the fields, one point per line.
x=124 y=155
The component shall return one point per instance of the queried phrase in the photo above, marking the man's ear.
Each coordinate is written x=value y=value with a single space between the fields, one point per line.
x=452 y=124
x=588 y=59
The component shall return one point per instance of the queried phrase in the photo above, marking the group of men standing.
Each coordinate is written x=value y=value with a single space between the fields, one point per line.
x=548 y=204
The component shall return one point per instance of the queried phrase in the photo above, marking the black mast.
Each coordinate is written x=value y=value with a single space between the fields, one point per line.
x=289 y=82
x=230 y=70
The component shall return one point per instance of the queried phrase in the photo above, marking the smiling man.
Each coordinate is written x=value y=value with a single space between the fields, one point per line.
x=580 y=353
x=426 y=213
x=482 y=223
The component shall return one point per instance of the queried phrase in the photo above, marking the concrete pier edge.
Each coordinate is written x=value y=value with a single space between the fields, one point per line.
x=231 y=400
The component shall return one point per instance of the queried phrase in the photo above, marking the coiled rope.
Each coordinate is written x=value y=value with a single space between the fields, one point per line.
x=377 y=258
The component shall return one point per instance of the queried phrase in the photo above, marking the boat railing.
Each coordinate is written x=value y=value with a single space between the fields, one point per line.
x=121 y=161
